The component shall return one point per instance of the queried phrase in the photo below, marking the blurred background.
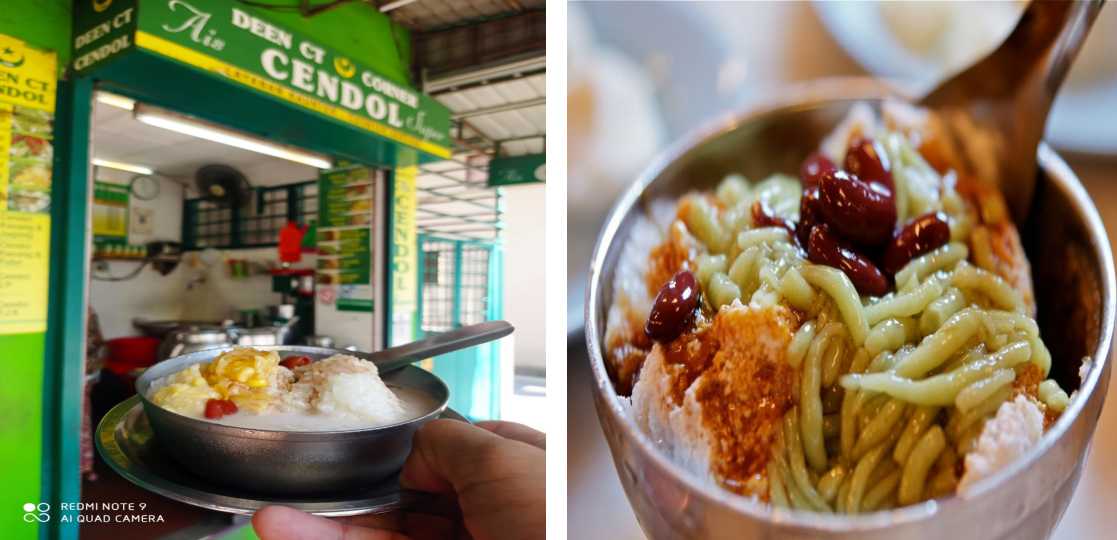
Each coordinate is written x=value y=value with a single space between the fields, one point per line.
x=642 y=74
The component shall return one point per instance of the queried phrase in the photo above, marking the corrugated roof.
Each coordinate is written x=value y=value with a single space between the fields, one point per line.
x=432 y=14
x=513 y=112
x=454 y=199
x=504 y=113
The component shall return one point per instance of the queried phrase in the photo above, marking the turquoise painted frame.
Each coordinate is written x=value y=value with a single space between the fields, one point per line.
x=64 y=373
x=389 y=247
x=475 y=371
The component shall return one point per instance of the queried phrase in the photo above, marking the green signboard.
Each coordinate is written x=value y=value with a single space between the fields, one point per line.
x=240 y=43
x=354 y=304
x=506 y=171
x=103 y=30
x=345 y=197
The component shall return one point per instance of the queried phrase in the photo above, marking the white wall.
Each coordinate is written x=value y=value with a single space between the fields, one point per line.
x=218 y=295
x=152 y=296
x=524 y=263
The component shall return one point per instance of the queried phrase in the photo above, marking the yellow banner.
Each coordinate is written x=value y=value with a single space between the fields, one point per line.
x=27 y=75
x=209 y=63
x=405 y=260
x=5 y=150
x=24 y=266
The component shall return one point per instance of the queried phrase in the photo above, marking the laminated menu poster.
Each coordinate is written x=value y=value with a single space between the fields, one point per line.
x=27 y=92
x=110 y=211
x=345 y=210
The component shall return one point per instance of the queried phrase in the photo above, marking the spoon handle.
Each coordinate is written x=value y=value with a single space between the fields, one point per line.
x=1040 y=49
x=394 y=358
x=994 y=113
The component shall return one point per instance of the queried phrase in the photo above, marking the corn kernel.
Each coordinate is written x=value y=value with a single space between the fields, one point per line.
x=244 y=373
x=257 y=382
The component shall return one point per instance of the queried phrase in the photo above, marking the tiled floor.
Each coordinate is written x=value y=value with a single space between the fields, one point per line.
x=528 y=403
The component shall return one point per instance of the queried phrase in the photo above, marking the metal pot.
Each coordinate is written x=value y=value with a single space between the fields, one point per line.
x=305 y=285
x=263 y=335
x=1076 y=318
x=282 y=312
x=161 y=328
x=320 y=341
x=288 y=462
x=188 y=339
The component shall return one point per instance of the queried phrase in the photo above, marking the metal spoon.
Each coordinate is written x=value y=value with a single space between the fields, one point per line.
x=995 y=111
x=394 y=358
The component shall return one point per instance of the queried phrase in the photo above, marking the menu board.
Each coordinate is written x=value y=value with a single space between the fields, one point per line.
x=345 y=210
x=24 y=264
x=27 y=93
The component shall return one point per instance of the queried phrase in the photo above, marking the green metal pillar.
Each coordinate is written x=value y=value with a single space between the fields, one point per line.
x=64 y=373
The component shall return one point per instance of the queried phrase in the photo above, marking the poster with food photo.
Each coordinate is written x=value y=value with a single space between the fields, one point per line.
x=26 y=126
x=29 y=160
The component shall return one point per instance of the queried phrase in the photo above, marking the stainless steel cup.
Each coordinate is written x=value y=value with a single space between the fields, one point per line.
x=1074 y=278
x=288 y=462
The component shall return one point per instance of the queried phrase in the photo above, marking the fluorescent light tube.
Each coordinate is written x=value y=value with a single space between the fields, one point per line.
x=129 y=167
x=395 y=5
x=205 y=130
x=116 y=100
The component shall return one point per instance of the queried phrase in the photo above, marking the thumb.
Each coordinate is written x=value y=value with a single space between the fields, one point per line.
x=283 y=523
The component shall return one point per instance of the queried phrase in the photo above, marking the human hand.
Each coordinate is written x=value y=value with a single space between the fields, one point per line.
x=491 y=476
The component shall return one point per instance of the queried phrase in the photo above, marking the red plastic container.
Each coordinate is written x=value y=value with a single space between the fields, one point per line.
x=128 y=353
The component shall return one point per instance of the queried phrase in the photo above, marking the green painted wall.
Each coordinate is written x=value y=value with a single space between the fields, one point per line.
x=355 y=29
x=21 y=433
x=42 y=23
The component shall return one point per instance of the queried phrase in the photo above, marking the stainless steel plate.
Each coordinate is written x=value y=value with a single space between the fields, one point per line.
x=125 y=441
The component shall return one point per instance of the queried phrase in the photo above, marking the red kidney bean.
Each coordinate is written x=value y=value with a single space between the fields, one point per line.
x=762 y=216
x=919 y=236
x=824 y=248
x=813 y=168
x=674 y=307
x=861 y=212
x=808 y=216
x=866 y=159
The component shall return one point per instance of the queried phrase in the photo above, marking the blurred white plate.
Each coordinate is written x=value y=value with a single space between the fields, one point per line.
x=915 y=44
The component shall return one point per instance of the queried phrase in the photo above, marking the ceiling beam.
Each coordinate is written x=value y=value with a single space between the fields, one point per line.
x=484 y=75
x=494 y=230
x=504 y=107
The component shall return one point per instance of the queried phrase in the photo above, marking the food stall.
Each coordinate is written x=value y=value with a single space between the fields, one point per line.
x=339 y=245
